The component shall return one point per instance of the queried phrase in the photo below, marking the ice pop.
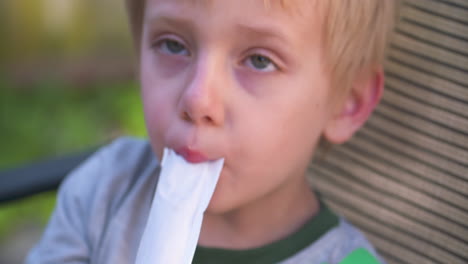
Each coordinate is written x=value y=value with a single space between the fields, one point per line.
x=183 y=193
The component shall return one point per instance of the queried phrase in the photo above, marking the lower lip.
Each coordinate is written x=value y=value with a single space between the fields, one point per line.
x=192 y=156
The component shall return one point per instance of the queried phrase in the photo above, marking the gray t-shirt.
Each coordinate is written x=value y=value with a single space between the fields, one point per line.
x=102 y=208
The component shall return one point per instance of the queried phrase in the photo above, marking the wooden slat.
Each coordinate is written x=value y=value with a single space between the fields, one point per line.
x=397 y=159
x=430 y=51
x=426 y=96
x=451 y=152
x=394 y=116
x=396 y=202
x=454 y=90
x=435 y=115
x=414 y=60
x=415 y=155
x=456 y=25
x=383 y=168
x=442 y=8
x=391 y=188
x=457 y=3
x=425 y=32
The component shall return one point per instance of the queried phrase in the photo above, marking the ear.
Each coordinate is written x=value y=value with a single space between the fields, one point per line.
x=356 y=109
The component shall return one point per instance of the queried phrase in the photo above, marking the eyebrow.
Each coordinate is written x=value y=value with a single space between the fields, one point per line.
x=265 y=32
x=178 y=22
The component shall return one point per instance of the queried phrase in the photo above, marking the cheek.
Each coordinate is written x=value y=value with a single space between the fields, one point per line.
x=155 y=119
x=283 y=132
x=157 y=105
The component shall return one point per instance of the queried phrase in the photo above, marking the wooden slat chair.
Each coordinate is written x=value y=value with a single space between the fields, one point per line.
x=403 y=179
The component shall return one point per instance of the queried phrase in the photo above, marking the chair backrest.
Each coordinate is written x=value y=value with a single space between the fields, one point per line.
x=403 y=179
x=38 y=177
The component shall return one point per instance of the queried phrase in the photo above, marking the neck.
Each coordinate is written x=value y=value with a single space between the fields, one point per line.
x=268 y=219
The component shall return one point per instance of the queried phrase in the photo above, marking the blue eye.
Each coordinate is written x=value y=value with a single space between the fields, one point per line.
x=172 y=47
x=261 y=63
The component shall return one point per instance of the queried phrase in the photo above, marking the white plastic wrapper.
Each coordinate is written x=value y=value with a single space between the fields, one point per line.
x=183 y=193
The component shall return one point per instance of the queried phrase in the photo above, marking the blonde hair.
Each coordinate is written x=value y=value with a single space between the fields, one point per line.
x=355 y=36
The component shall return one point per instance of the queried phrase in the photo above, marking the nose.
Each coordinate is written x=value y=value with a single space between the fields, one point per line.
x=202 y=101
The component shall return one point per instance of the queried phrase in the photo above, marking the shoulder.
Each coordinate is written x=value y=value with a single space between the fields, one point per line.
x=100 y=185
x=119 y=161
x=334 y=246
x=347 y=239
x=89 y=198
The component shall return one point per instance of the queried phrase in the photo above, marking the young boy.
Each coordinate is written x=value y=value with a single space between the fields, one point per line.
x=258 y=83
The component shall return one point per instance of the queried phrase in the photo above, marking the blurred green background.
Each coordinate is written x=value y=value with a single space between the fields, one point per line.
x=66 y=84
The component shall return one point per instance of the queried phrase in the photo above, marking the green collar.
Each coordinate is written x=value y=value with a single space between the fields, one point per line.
x=276 y=251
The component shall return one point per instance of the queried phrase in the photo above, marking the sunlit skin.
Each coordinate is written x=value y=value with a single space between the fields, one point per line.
x=246 y=82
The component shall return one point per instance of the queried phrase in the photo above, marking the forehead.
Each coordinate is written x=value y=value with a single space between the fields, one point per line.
x=293 y=8
x=289 y=15
x=283 y=4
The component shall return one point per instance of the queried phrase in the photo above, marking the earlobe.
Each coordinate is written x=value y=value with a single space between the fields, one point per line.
x=357 y=108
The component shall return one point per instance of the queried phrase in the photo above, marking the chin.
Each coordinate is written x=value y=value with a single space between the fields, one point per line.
x=219 y=204
x=216 y=207
x=211 y=210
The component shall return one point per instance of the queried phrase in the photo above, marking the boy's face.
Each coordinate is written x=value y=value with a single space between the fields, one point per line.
x=238 y=80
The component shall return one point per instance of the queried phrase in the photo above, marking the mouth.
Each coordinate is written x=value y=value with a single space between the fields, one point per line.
x=192 y=156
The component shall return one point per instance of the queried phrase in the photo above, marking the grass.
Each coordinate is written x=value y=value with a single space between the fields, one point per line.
x=52 y=119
